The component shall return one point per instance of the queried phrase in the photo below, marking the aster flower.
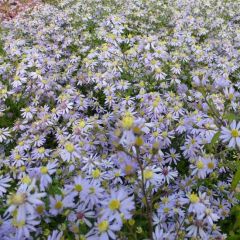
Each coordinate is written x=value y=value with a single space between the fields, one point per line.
x=4 y=184
x=28 y=112
x=4 y=134
x=24 y=201
x=25 y=227
x=104 y=229
x=172 y=156
x=70 y=152
x=196 y=203
x=231 y=135
x=167 y=174
x=118 y=204
x=81 y=215
x=56 y=235
x=45 y=172
x=58 y=203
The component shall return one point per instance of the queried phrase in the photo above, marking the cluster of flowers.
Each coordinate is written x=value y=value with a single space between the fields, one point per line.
x=118 y=120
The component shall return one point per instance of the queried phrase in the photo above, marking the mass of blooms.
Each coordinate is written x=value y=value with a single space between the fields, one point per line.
x=119 y=119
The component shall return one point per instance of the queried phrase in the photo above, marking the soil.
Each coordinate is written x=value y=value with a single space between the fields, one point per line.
x=9 y=9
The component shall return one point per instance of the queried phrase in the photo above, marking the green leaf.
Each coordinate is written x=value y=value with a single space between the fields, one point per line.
x=215 y=138
x=231 y=116
x=236 y=178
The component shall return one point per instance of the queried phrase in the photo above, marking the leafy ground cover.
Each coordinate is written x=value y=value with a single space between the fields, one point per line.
x=120 y=120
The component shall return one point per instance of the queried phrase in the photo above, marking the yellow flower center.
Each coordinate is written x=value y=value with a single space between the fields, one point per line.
x=26 y=179
x=40 y=209
x=58 y=205
x=165 y=200
x=231 y=96
x=82 y=124
x=92 y=190
x=27 y=109
x=117 y=174
x=200 y=165
x=155 y=103
x=166 y=210
x=148 y=174
x=23 y=168
x=155 y=134
x=235 y=133
x=17 y=157
x=210 y=165
x=96 y=173
x=41 y=150
x=78 y=188
x=18 y=224
x=44 y=170
x=69 y=147
x=128 y=169
x=103 y=226
x=193 y=198
x=114 y=204
x=164 y=134
x=18 y=198
x=139 y=141
x=158 y=70
x=127 y=122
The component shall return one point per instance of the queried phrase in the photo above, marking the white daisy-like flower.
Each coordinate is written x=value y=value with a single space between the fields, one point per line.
x=4 y=134
x=118 y=204
x=28 y=112
x=104 y=229
x=231 y=135
x=4 y=184
x=70 y=152
x=56 y=235
x=46 y=171
x=24 y=201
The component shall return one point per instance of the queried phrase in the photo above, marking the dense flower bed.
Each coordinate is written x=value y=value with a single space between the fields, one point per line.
x=119 y=119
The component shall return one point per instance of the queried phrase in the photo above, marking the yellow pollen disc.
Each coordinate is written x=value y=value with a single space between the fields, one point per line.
x=44 y=170
x=148 y=174
x=41 y=150
x=210 y=165
x=23 y=168
x=82 y=124
x=165 y=200
x=127 y=122
x=17 y=157
x=58 y=205
x=231 y=96
x=164 y=134
x=27 y=109
x=158 y=70
x=78 y=188
x=193 y=198
x=18 y=224
x=103 y=226
x=18 y=198
x=26 y=179
x=40 y=209
x=155 y=134
x=96 y=173
x=69 y=147
x=200 y=165
x=92 y=190
x=166 y=210
x=235 y=133
x=114 y=204
x=128 y=169
x=139 y=141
